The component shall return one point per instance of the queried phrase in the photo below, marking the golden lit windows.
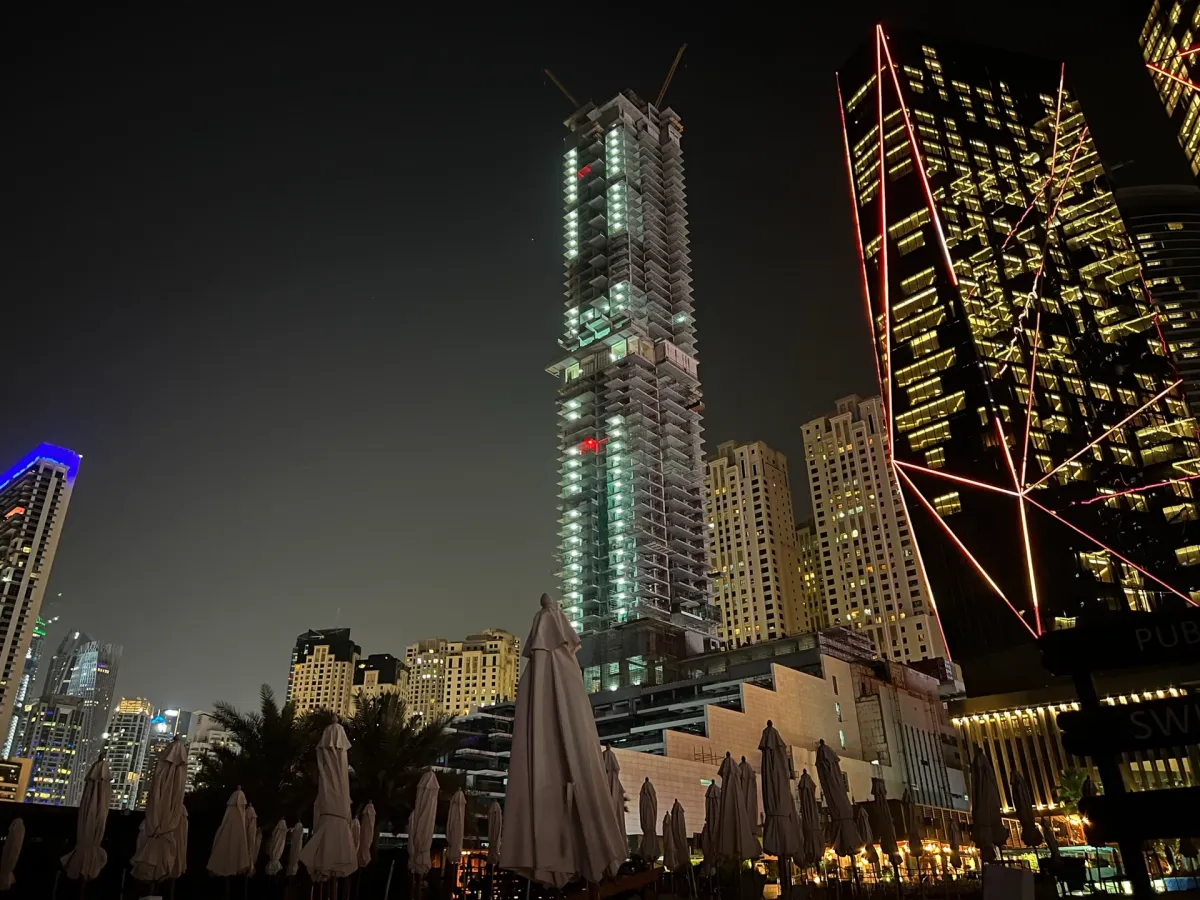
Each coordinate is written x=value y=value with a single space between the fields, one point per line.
x=930 y=365
x=947 y=504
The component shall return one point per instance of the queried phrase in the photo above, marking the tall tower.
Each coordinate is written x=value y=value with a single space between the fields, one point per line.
x=1034 y=419
x=322 y=671
x=752 y=545
x=125 y=749
x=1170 y=40
x=33 y=505
x=632 y=554
x=33 y=659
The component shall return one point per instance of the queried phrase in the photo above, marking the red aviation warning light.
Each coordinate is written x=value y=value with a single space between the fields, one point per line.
x=585 y=171
x=589 y=445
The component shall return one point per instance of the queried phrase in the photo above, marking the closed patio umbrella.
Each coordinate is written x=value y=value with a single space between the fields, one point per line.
x=255 y=847
x=330 y=852
x=231 y=850
x=366 y=833
x=612 y=775
x=12 y=852
x=1052 y=841
x=87 y=860
x=679 y=836
x=912 y=829
x=708 y=835
x=749 y=793
x=1022 y=798
x=668 y=843
x=456 y=820
x=812 y=843
x=155 y=859
x=862 y=821
x=179 y=869
x=648 y=817
x=955 y=845
x=295 y=845
x=495 y=828
x=559 y=821
x=275 y=846
x=421 y=823
x=843 y=835
x=735 y=839
x=987 y=826
x=781 y=822
x=885 y=826
x=251 y=844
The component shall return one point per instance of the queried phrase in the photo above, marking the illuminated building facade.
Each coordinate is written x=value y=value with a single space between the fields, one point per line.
x=870 y=576
x=33 y=658
x=808 y=569
x=160 y=733
x=1036 y=424
x=34 y=495
x=207 y=737
x=1170 y=40
x=321 y=675
x=633 y=561
x=379 y=674
x=125 y=749
x=56 y=734
x=752 y=545
x=452 y=678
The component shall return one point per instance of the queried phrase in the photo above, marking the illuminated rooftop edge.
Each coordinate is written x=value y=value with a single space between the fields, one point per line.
x=51 y=453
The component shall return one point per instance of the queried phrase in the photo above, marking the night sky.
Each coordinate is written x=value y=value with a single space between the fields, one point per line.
x=290 y=286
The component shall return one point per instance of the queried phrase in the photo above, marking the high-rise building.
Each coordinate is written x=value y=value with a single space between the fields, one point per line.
x=379 y=674
x=752 y=545
x=207 y=737
x=1043 y=446
x=34 y=495
x=56 y=734
x=1169 y=40
x=84 y=669
x=33 y=658
x=810 y=581
x=160 y=733
x=125 y=749
x=632 y=552
x=450 y=678
x=1165 y=223
x=322 y=671
x=868 y=571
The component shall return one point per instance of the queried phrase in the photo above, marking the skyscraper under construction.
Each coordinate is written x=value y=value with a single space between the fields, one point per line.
x=633 y=560
x=1036 y=423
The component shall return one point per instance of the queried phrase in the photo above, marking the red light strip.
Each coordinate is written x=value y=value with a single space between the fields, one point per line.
x=937 y=473
x=1092 y=444
x=1190 y=51
x=1157 y=327
x=1037 y=339
x=1137 y=490
x=1109 y=549
x=967 y=553
x=881 y=39
x=883 y=257
x=862 y=255
x=1161 y=71
x=937 y=616
x=1062 y=75
x=1030 y=572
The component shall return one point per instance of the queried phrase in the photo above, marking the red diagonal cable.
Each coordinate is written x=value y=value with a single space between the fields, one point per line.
x=938 y=473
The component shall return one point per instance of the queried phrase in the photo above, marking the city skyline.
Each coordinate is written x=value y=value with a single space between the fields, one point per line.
x=191 y=505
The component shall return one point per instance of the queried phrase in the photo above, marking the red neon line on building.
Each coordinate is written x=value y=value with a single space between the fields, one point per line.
x=1190 y=51
x=883 y=255
x=881 y=39
x=937 y=473
x=1109 y=549
x=1161 y=71
x=1137 y=490
x=1037 y=339
x=1062 y=75
x=937 y=616
x=1092 y=444
x=1030 y=571
x=967 y=553
x=862 y=255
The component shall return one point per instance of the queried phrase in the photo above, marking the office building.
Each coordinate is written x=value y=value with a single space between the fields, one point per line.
x=1164 y=221
x=207 y=737
x=57 y=730
x=33 y=658
x=379 y=674
x=452 y=678
x=752 y=545
x=632 y=554
x=1169 y=40
x=85 y=670
x=126 y=749
x=867 y=567
x=34 y=495
x=14 y=780
x=322 y=671
x=808 y=571
x=1040 y=437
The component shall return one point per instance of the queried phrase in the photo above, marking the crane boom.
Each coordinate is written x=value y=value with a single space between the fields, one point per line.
x=558 y=84
x=670 y=75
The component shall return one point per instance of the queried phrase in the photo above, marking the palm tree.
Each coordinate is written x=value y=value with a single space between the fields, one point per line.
x=273 y=749
x=389 y=750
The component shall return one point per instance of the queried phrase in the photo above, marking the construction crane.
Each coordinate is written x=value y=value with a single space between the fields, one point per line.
x=558 y=84
x=667 y=83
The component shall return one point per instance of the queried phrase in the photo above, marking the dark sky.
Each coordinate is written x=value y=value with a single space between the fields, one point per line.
x=289 y=284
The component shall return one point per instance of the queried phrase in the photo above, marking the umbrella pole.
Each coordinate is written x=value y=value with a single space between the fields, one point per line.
x=387 y=888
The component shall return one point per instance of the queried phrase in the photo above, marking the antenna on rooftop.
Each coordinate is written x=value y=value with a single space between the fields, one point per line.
x=558 y=84
x=670 y=74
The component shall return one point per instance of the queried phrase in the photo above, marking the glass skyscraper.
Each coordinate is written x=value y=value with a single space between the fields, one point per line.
x=634 y=571
x=1170 y=42
x=1035 y=420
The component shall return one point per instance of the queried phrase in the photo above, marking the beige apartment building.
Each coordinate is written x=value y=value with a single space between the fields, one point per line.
x=870 y=572
x=808 y=569
x=450 y=678
x=379 y=674
x=752 y=545
x=322 y=671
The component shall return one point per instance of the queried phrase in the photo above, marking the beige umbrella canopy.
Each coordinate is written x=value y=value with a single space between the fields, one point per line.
x=885 y=827
x=421 y=823
x=612 y=775
x=708 y=834
x=495 y=827
x=862 y=821
x=843 y=835
x=456 y=820
x=251 y=844
x=735 y=839
x=231 y=850
x=955 y=844
x=988 y=827
x=749 y=793
x=559 y=821
x=781 y=825
x=355 y=837
x=181 y=841
x=12 y=852
x=295 y=845
x=155 y=859
x=255 y=847
x=648 y=817
x=679 y=836
x=1022 y=798
x=87 y=860
x=812 y=844
x=330 y=852
x=366 y=833
x=668 y=842
x=275 y=845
